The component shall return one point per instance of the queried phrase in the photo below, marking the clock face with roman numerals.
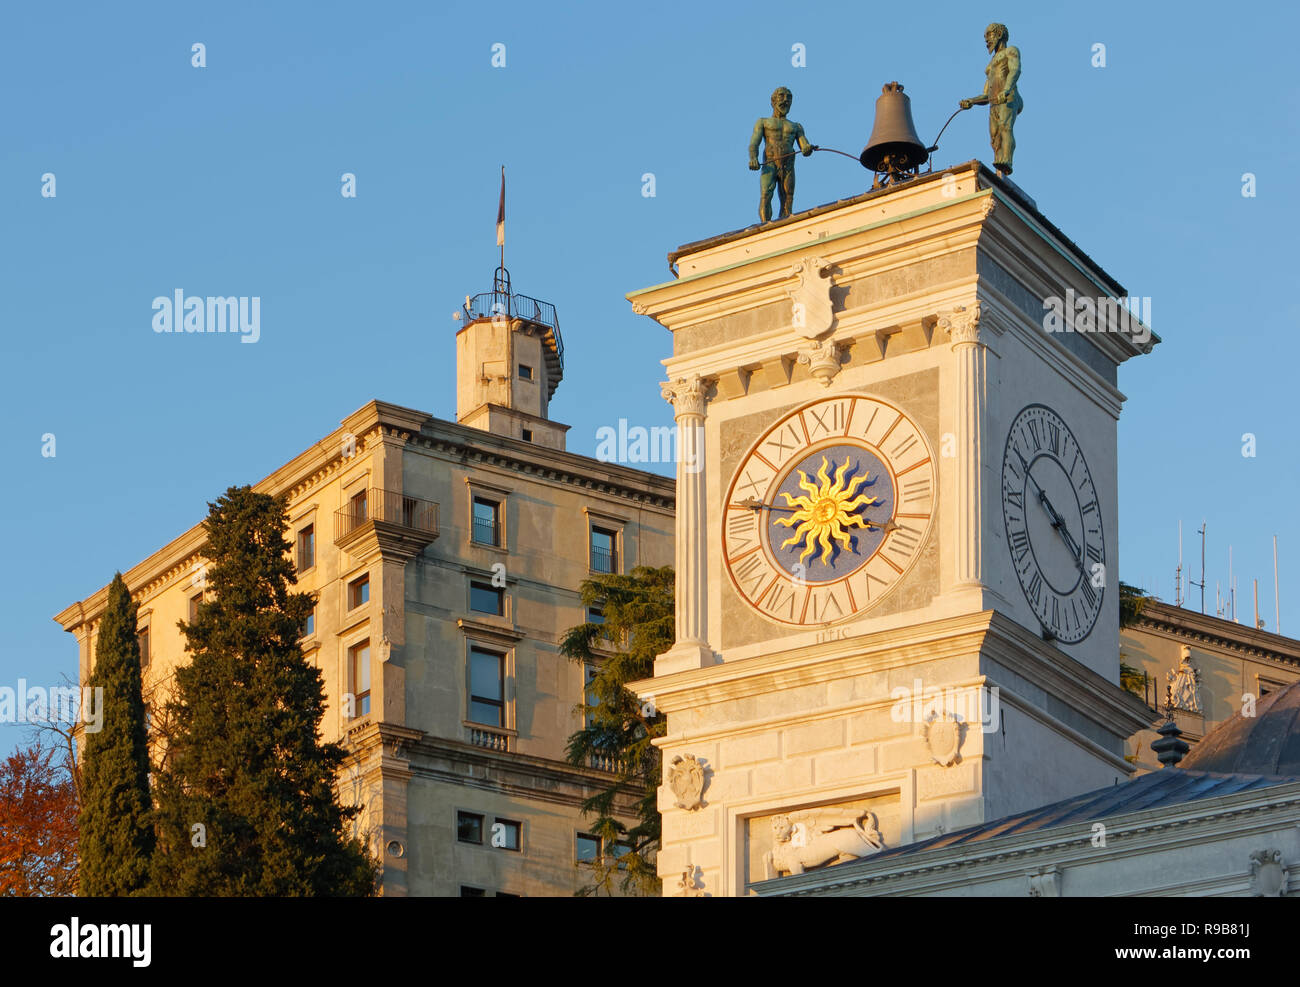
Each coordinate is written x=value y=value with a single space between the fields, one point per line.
x=829 y=510
x=1053 y=523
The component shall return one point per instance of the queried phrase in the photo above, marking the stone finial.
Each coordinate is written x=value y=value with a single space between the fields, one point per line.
x=1170 y=748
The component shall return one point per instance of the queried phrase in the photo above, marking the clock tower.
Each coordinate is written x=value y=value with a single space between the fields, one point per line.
x=897 y=558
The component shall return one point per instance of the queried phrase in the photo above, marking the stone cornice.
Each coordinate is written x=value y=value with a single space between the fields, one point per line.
x=1188 y=625
x=1082 y=689
x=1164 y=828
x=1001 y=639
x=520 y=775
x=381 y=421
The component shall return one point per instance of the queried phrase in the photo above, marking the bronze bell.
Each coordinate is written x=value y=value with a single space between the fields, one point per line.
x=894 y=152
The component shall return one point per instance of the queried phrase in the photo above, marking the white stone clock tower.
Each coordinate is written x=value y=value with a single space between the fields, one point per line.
x=897 y=569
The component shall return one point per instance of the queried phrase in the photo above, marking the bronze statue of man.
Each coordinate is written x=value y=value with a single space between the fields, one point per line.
x=779 y=136
x=1000 y=95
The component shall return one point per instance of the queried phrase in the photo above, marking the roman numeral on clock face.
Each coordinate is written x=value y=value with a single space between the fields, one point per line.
x=826 y=419
x=779 y=601
x=917 y=491
x=1019 y=544
x=751 y=572
x=742 y=531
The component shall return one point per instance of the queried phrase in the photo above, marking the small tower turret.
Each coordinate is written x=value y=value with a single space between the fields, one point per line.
x=509 y=361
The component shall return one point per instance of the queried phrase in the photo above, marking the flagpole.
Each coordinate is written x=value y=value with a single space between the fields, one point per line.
x=501 y=219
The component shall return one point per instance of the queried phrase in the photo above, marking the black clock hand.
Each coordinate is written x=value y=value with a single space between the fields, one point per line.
x=1057 y=521
x=758 y=505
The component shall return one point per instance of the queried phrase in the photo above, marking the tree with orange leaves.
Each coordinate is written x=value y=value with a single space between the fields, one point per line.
x=38 y=825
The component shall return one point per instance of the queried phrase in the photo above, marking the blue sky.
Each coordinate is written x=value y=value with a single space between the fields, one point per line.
x=225 y=180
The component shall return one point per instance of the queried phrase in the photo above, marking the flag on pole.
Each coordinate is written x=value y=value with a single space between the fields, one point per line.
x=501 y=211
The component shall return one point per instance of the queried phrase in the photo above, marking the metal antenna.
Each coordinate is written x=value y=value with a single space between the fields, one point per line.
x=1232 y=590
x=1277 y=606
x=1178 y=573
x=1192 y=582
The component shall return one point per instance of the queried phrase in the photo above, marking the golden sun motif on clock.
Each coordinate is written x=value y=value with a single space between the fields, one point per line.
x=826 y=512
x=829 y=510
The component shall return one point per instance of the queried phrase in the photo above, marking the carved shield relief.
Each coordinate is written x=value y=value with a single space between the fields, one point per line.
x=812 y=310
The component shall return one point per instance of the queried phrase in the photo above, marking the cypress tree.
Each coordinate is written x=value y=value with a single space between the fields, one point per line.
x=246 y=798
x=116 y=825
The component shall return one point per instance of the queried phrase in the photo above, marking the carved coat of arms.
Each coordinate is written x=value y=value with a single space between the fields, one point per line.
x=812 y=311
x=943 y=737
x=686 y=779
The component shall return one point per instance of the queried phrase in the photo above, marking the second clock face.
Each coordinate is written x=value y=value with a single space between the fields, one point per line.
x=829 y=510
x=1053 y=523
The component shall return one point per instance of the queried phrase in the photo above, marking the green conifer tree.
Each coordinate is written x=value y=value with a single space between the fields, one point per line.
x=247 y=802
x=116 y=823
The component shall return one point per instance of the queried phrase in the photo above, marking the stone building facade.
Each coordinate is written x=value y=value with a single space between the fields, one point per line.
x=1212 y=667
x=445 y=559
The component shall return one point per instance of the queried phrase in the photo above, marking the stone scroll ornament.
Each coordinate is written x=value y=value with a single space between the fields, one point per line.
x=686 y=779
x=1268 y=874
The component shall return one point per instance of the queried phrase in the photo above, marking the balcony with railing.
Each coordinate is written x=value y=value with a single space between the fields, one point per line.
x=386 y=522
x=605 y=762
x=540 y=315
x=486 y=737
x=486 y=532
x=603 y=559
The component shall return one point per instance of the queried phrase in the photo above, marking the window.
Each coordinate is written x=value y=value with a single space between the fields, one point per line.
x=487 y=522
x=359 y=592
x=359 y=678
x=485 y=598
x=142 y=638
x=467 y=892
x=486 y=687
x=589 y=673
x=587 y=848
x=307 y=548
x=604 y=556
x=528 y=435
x=525 y=372
x=309 y=625
x=148 y=719
x=357 y=508
x=620 y=852
x=469 y=827
x=506 y=833
x=195 y=600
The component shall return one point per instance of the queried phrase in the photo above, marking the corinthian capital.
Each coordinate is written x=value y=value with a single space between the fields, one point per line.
x=687 y=395
x=962 y=324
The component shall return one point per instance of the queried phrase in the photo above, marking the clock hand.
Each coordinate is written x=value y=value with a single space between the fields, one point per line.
x=757 y=505
x=1058 y=522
